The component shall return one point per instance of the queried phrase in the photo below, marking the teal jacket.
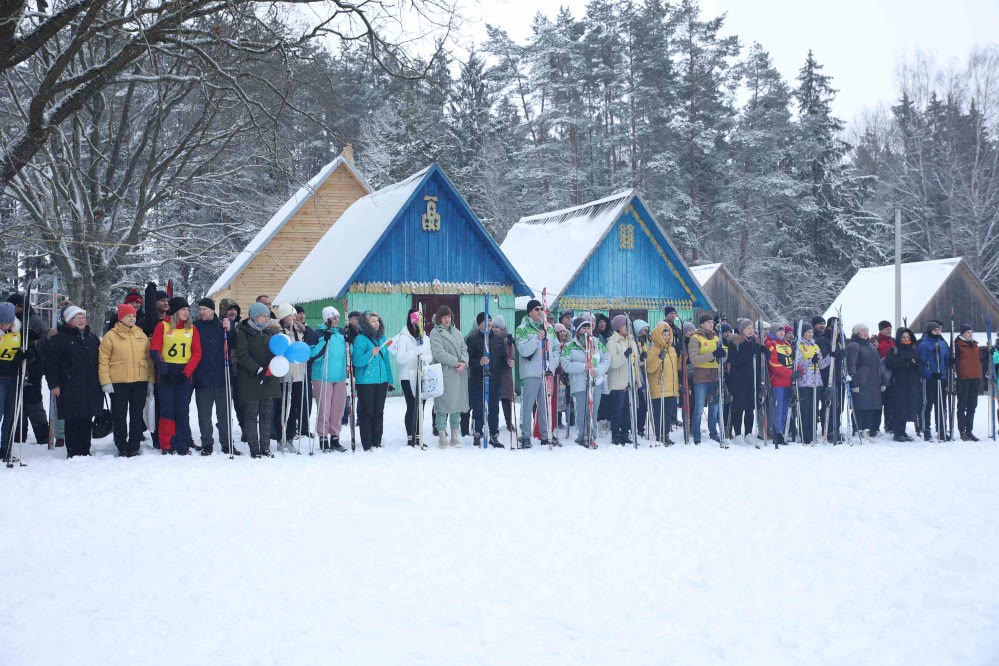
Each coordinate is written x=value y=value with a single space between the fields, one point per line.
x=370 y=369
x=335 y=362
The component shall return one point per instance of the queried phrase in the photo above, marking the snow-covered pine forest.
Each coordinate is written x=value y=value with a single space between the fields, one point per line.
x=168 y=161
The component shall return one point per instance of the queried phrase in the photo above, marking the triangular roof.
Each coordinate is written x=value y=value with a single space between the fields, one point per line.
x=869 y=296
x=704 y=272
x=576 y=232
x=281 y=218
x=362 y=228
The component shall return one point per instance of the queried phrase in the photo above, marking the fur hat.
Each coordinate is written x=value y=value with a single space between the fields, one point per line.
x=329 y=312
x=123 y=310
x=177 y=303
x=67 y=314
x=857 y=328
x=7 y=313
x=619 y=321
x=285 y=310
x=258 y=309
x=227 y=304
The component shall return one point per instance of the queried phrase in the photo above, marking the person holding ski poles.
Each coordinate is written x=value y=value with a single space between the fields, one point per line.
x=413 y=348
x=531 y=340
x=935 y=357
x=71 y=370
x=780 y=359
x=585 y=355
x=176 y=353
x=810 y=365
x=329 y=380
x=209 y=377
x=705 y=351
x=477 y=361
x=743 y=351
x=968 y=364
x=661 y=362
x=622 y=351
x=506 y=371
x=10 y=367
x=125 y=371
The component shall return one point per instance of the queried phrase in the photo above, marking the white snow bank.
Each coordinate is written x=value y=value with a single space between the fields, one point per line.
x=876 y=554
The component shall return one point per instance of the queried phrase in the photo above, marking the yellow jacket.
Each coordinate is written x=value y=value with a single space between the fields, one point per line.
x=662 y=372
x=123 y=357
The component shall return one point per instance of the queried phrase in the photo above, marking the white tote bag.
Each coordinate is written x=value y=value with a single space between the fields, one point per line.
x=433 y=381
x=149 y=413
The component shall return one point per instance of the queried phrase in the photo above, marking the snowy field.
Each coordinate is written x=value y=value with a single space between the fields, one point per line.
x=878 y=554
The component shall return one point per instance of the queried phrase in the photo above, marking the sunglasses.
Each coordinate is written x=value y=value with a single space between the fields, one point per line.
x=538 y=309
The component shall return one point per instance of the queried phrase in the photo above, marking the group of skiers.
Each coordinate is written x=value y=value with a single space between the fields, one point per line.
x=758 y=382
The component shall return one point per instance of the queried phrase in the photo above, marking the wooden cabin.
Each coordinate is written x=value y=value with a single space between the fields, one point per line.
x=609 y=256
x=728 y=296
x=281 y=245
x=410 y=243
x=929 y=290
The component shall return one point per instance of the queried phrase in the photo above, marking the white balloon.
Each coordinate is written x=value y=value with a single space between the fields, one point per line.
x=279 y=366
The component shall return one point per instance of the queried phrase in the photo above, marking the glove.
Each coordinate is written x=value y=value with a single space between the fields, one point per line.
x=936 y=375
x=662 y=354
x=855 y=389
x=160 y=365
x=327 y=335
x=839 y=354
x=391 y=388
x=627 y=352
x=796 y=375
x=150 y=390
x=719 y=352
x=644 y=356
x=107 y=388
x=815 y=360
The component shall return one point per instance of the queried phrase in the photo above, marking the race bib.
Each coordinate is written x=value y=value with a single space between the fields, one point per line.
x=176 y=344
x=10 y=343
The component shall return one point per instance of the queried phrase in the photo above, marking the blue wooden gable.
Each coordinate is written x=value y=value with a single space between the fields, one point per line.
x=635 y=266
x=436 y=236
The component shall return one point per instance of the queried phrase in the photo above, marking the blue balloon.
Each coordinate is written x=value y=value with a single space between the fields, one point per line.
x=298 y=352
x=279 y=344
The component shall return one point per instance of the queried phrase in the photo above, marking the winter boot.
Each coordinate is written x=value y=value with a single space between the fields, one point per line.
x=455 y=440
x=964 y=437
x=495 y=443
x=410 y=441
x=971 y=437
x=324 y=444
x=206 y=451
x=441 y=439
x=927 y=435
x=335 y=445
x=477 y=440
x=525 y=442
x=899 y=437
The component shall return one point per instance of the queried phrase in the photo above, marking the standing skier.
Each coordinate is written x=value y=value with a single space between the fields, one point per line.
x=477 y=362
x=370 y=360
x=705 y=352
x=810 y=365
x=176 y=352
x=968 y=363
x=71 y=363
x=780 y=362
x=622 y=351
x=743 y=351
x=209 y=377
x=574 y=362
x=935 y=357
x=664 y=384
x=532 y=340
x=413 y=347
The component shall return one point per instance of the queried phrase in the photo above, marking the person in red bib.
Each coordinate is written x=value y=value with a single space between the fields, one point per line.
x=176 y=352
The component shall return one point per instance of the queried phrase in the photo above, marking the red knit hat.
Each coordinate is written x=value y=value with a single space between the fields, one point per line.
x=134 y=296
x=125 y=309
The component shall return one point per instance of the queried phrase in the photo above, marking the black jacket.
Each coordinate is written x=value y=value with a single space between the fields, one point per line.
x=476 y=343
x=742 y=358
x=906 y=388
x=71 y=365
x=211 y=369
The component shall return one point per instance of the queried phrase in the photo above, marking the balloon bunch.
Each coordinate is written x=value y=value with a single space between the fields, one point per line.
x=285 y=353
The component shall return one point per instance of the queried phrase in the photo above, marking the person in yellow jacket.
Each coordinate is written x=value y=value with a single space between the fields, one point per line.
x=704 y=353
x=126 y=372
x=662 y=365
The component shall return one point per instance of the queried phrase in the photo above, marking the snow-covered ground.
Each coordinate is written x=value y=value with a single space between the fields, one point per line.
x=877 y=554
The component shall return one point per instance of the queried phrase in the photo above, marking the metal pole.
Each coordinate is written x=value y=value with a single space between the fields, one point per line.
x=898 y=267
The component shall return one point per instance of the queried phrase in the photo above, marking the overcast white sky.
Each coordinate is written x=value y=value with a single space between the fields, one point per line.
x=858 y=41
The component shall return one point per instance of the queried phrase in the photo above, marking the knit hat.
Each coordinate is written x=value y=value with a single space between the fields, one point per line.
x=966 y=327
x=619 y=321
x=703 y=318
x=725 y=328
x=883 y=324
x=208 y=303
x=776 y=327
x=741 y=324
x=329 y=312
x=125 y=309
x=818 y=319
x=533 y=303
x=160 y=295
x=579 y=322
x=806 y=327
x=668 y=309
x=133 y=296
x=559 y=328
x=857 y=328
x=355 y=313
x=688 y=328
x=299 y=309
x=16 y=299
x=788 y=329
x=284 y=310
x=257 y=310
x=479 y=318
x=67 y=314
x=7 y=313
x=932 y=325
x=499 y=322
x=638 y=325
x=177 y=303
x=565 y=313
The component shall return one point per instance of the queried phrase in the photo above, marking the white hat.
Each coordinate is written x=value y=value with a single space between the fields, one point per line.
x=285 y=310
x=72 y=311
x=329 y=312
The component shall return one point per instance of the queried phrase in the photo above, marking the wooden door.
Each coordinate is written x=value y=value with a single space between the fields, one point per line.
x=634 y=314
x=432 y=302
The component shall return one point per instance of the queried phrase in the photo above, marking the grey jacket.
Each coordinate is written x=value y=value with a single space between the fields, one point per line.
x=449 y=349
x=529 y=349
x=573 y=361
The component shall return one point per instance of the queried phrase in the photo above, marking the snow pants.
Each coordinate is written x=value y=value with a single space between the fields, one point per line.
x=620 y=413
x=967 y=400
x=330 y=399
x=931 y=405
x=476 y=399
x=8 y=396
x=782 y=396
x=175 y=416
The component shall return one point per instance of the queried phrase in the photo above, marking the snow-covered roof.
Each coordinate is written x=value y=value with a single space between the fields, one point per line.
x=280 y=218
x=704 y=272
x=326 y=270
x=571 y=233
x=869 y=296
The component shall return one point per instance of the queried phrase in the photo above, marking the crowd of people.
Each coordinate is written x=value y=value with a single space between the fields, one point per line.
x=757 y=382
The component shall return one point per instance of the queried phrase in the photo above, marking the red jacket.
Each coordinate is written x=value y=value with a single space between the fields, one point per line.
x=156 y=349
x=780 y=362
x=885 y=344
